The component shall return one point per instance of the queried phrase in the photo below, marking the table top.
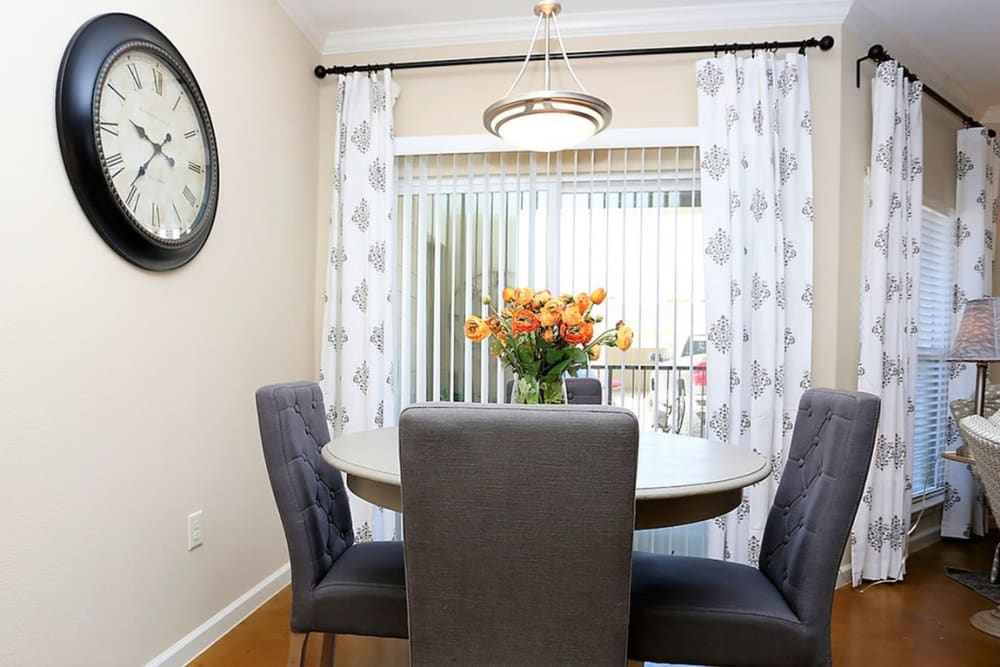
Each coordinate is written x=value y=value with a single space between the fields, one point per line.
x=958 y=457
x=670 y=465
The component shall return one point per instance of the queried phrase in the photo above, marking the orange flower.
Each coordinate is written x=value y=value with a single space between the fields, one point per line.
x=523 y=321
x=598 y=295
x=508 y=294
x=493 y=322
x=476 y=329
x=541 y=298
x=572 y=316
x=623 y=337
x=523 y=295
x=583 y=302
x=577 y=334
x=552 y=312
x=549 y=335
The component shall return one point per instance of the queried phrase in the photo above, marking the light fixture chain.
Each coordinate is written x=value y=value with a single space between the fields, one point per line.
x=527 y=58
x=562 y=47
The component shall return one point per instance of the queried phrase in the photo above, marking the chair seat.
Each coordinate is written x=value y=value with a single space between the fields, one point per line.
x=364 y=593
x=695 y=610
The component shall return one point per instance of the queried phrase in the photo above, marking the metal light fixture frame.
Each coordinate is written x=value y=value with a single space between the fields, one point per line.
x=548 y=101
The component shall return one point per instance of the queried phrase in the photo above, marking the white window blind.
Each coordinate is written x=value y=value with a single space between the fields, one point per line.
x=626 y=219
x=935 y=312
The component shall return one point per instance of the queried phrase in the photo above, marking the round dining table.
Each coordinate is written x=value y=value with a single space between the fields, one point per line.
x=680 y=479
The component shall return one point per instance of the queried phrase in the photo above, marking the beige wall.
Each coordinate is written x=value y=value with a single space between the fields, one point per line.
x=128 y=395
x=646 y=91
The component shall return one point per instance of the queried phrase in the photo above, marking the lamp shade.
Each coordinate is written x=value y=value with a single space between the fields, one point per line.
x=978 y=336
x=547 y=120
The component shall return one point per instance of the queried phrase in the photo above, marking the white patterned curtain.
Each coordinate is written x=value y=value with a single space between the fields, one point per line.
x=889 y=313
x=757 y=216
x=975 y=225
x=357 y=349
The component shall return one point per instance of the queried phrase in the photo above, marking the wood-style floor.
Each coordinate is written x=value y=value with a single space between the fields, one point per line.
x=923 y=622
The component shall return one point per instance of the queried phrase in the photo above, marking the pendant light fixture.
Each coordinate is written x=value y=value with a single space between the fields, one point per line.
x=547 y=120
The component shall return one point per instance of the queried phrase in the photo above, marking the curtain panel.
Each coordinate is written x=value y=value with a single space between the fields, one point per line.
x=889 y=314
x=977 y=162
x=356 y=372
x=756 y=170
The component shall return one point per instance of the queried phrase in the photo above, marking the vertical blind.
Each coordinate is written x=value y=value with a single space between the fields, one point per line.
x=930 y=434
x=626 y=219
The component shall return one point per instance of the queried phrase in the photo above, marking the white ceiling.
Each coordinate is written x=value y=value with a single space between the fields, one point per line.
x=961 y=38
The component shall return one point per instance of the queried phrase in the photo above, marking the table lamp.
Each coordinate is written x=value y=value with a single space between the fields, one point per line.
x=978 y=340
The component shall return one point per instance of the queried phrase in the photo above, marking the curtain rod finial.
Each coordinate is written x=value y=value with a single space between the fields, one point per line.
x=826 y=42
x=320 y=72
x=876 y=52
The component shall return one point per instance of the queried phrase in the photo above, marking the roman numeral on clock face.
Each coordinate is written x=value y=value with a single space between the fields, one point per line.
x=158 y=81
x=190 y=134
x=132 y=200
x=195 y=167
x=112 y=161
x=109 y=127
x=189 y=196
x=155 y=215
x=134 y=71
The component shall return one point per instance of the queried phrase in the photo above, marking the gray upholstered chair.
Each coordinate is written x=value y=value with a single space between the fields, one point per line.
x=339 y=586
x=705 y=611
x=518 y=525
x=579 y=391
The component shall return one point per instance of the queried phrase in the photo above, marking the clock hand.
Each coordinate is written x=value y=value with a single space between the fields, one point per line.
x=166 y=139
x=141 y=130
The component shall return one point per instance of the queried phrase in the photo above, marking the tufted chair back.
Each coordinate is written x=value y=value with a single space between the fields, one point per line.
x=310 y=495
x=817 y=498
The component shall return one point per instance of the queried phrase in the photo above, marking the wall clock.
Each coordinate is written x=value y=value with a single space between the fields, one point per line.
x=137 y=141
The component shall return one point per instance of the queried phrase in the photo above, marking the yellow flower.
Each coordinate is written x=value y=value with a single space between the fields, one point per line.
x=476 y=329
x=523 y=295
x=598 y=295
x=594 y=353
x=508 y=294
x=540 y=298
x=572 y=317
x=551 y=312
x=623 y=337
x=549 y=335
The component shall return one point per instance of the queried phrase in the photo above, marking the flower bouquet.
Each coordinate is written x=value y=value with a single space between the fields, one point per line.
x=542 y=337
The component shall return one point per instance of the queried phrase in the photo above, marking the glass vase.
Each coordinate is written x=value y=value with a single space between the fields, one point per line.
x=533 y=391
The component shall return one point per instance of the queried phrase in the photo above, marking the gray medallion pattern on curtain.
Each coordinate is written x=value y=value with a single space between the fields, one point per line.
x=357 y=351
x=976 y=165
x=889 y=315
x=756 y=146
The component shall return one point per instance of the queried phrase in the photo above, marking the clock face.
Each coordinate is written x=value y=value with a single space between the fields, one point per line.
x=137 y=141
x=152 y=144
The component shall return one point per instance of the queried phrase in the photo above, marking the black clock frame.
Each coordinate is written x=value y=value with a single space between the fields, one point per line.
x=84 y=64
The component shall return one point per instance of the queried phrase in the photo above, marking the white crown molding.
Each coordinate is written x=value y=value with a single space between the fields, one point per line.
x=700 y=16
x=992 y=115
x=297 y=12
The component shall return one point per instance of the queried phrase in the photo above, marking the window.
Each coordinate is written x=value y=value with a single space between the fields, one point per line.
x=627 y=219
x=475 y=220
x=933 y=341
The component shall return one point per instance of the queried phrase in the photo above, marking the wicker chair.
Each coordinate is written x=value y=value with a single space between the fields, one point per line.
x=964 y=407
x=983 y=437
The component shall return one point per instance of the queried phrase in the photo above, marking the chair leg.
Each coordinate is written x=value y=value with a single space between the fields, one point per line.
x=995 y=570
x=326 y=649
x=297 y=649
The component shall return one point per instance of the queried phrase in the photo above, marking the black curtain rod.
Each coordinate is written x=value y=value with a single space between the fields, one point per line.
x=825 y=43
x=878 y=54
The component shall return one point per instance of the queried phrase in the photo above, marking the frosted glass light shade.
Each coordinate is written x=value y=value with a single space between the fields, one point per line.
x=548 y=120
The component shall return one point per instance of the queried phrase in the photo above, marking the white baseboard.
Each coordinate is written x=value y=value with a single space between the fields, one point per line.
x=209 y=632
